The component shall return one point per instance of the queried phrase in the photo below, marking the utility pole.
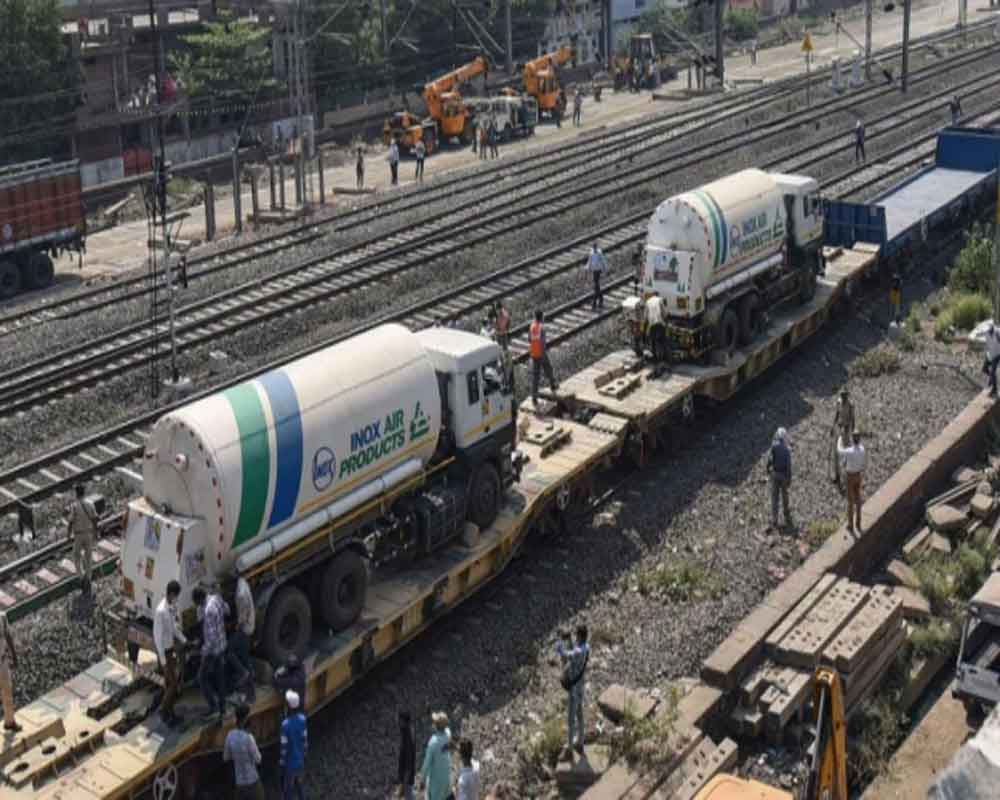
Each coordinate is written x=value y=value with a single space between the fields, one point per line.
x=963 y=13
x=904 y=78
x=386 y=58
x=720 y=50
x=159 y=209
x=510 y=38
x=996 y=254
x=868 y=40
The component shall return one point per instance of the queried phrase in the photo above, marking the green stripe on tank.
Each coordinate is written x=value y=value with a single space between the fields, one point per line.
x=716 y=225
x=255 y=456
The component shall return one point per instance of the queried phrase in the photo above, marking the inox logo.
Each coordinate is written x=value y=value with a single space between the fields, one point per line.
x=324 y=468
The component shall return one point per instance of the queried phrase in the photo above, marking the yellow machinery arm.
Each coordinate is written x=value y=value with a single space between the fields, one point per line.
x=540 y=77
x=828 y=774
x=435 y=91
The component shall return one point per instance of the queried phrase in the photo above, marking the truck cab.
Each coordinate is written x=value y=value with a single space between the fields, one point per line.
x=478 y=410
x=977 y=671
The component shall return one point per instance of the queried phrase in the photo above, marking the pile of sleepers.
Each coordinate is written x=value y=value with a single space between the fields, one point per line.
x=842 y=624
x=965 y=513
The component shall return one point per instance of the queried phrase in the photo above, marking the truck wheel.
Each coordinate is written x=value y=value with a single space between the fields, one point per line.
x=38 y=271
x=343 y=589
x=728 y=331
x=749 y=319
x=10 y=280
x=484 y=496
x=288 y=625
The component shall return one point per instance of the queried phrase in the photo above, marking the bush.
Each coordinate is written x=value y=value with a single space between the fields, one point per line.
x=819 y=530
x=913 y=319
x=651 y=741
x=882 y=731
x=742 y=23
x=937 y=583
x=541 y=752
x=932 y=638
x=967 y=310
x=944 y=328
x=679 y=582
x=883 y=360
x=973 y=268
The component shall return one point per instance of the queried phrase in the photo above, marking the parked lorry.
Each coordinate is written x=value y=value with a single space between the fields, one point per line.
x=41 y=215
x=373 y=450
x=722 y=255
x=515 y=115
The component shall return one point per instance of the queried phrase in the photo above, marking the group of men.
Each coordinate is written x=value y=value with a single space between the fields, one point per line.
x=435 y=774
x=849 y=463
x=486 y=137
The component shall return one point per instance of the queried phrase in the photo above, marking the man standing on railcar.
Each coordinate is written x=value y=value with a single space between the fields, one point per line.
x=539 y=351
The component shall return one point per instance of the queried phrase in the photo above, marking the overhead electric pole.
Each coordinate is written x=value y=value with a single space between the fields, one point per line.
x=868 y=39
x=509 y=24
x=720 y=49
x=904 y=79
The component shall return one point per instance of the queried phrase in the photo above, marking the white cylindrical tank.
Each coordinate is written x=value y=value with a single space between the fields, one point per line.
x=727 y=224
x=257 y=458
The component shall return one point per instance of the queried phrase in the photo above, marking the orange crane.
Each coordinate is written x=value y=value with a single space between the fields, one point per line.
x=449 y=115
x=541 y=81
x=828 y=774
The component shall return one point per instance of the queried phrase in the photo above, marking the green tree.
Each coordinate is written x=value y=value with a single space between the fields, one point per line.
x=229 y=58
x=665 y=21
x=40 y=81
x=973 y=268
x=741 y=23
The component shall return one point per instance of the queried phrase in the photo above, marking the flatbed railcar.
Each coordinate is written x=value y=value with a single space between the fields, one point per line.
x=95 y=736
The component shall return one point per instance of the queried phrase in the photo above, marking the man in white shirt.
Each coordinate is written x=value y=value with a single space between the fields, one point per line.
x=166 y=635
x=239 y=642
x=992 y=357
x=469 y=780
x=393 y=159
x=854 y=461
x=597 y=265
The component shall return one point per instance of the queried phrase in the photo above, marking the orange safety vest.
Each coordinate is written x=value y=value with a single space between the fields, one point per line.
x=535 y=338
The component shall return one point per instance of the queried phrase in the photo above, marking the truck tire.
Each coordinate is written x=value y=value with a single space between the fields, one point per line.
x=749 y=319
x=728 y=331
x=342 y=590
x=38 y=271
x=10 y=280
x=484 y=496
x=287 y=626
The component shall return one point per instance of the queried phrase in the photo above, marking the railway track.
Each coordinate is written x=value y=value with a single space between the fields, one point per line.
x=357 y=268
x=445 y=188
x=42 y=576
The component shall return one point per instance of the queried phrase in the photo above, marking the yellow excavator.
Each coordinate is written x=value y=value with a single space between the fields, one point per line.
x=541 y=80
x=828 y=773
x=449 y=115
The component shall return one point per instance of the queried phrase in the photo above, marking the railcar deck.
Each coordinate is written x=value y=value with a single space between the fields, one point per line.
x=93 y=738
x=910 y=202
x=647 y=397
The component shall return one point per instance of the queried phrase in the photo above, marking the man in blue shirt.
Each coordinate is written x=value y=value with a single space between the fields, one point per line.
x=294 y=742
x=574 y=661
x=779 y=466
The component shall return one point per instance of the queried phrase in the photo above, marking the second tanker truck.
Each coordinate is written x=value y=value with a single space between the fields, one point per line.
x=722 y=255
x=370 y=451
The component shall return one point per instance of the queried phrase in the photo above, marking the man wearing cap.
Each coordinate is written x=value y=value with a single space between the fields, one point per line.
x=435 y=774
x=294 y=742
x=843 y=427
x=291 y=675
x=83 y=531
x=779 y=467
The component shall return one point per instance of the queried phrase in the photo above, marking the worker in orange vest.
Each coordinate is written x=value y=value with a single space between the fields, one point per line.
x=539 y=355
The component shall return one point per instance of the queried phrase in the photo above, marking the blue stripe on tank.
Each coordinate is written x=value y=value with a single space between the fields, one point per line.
x=288 y=434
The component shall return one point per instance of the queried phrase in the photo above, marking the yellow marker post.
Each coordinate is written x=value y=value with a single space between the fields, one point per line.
x=807 y=48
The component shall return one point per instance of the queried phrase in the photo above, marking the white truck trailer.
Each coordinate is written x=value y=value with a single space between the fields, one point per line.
x=722 y=255
x=369 y=451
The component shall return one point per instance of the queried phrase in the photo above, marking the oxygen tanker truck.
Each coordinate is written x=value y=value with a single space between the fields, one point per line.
x=303 y=479
x=722 y=255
